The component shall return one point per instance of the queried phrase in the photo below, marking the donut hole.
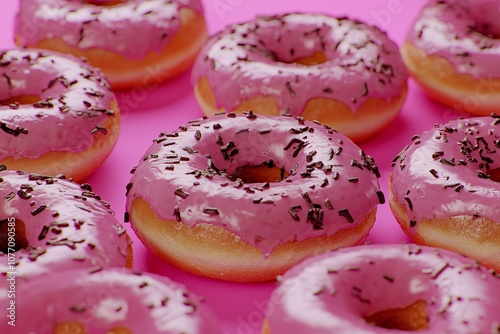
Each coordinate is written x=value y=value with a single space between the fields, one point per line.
x=286 y=45
x=315 y=59
x=20 y=99
x=69 y=327
x=485 y=15
x=486 y=29
x=76 y=327
x=410 y=318
x=12 y=235
x=494 y=174
x=265 y=172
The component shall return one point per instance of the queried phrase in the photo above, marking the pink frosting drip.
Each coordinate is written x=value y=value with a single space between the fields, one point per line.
x=132 y=29
x=254 y=59
x=440 y=181
x=333 y=292
x=178 y=177
x=459 y=30
x=67 y=226
x=74 y=103
x=145 y=303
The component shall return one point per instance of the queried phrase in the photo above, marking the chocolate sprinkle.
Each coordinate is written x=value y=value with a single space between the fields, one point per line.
x=328 y=204
x=381 y=197
x=345 y=213
x=435 y=274
x=177 y=214
x=197 y=135
x=446 y=162
x=13 y=131
x=211 y=211
x=389 y=278
x=181 y=193
x=293 y=212
x=434 y=173
x=77 y=309
x=43 y=232
x=38 y=210
x=437 y=154
x=410 y=204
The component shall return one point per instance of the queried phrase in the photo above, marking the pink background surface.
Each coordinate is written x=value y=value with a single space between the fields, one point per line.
x=146 y=113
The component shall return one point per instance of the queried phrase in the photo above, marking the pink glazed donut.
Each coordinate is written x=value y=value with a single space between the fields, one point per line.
x=397 y=289
x=112 y=301
x=453 y=52
x=244 y=198
x=57 y=114
x=445 y=189
x=49 y=224
x=134 y=42
x=340 y=72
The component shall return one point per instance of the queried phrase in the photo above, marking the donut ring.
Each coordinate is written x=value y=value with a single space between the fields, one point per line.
x=134 y=42
x=113 y=300
x=453 y=50
x=445 y=189
x=337 y=71
x=55 y=225
x=57 y=114
x=244 y=198
x=386 y=289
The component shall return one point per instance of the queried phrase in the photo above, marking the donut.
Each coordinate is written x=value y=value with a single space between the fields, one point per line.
x=386 y=289
x=49 y=224
x=340 y=72
x=445 y=190
x=136 y=43
x=57 y=114
x=452 y=52
x=243 y=198
x=112 y=300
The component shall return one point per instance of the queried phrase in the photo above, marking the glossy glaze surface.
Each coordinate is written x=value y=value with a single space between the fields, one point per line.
x=162 y=108
x=107 y=300
x=187 y=176
x=132 y=28
x=66 y=226
x=334 y=292
x=74 y=103
x=257 y=59
x=464 y=32
x=445 y=171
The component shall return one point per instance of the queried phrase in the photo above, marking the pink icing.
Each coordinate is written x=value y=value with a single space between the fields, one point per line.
x=132 y=29
x=74 y=103
x=253 y=59
x=443 y=173
x=178 y=177
x=114 y=297
x=461 y=31
x=67 y=226
x=333 y=292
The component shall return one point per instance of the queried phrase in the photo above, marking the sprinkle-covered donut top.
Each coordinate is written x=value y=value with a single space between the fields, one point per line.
x=449 y=171
x=74 y=103
x=338 y=292
x=464 y=32
x=59 y=225
x=112 y=300
x=132 y=28
x=191 y=175
x=257 y=59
